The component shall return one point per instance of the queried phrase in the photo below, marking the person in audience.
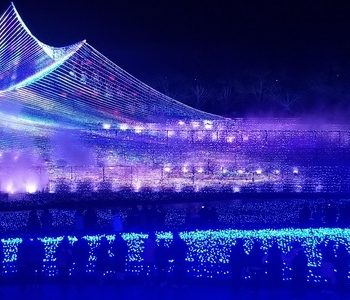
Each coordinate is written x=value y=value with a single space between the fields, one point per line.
x=159 y=217
x=120 y=253
x=299 y=266
x=90 y=220
x=79 y=221
x=149 y=255
x=330 y=214
x=46 y=221
x=31 y=253
x=342 y=266
x=178 y=250
x=255 y=262
x=64 y=256
x=305 y=214
x=162 y=262
x=103 y=259
x=238 y=261
x=81 y=253
x=274 y=265
x=33 y=221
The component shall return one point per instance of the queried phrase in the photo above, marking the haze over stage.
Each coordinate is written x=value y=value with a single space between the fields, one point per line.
x=72 y=119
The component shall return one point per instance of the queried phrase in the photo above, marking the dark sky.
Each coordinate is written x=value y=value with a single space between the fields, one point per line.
x=204 y=39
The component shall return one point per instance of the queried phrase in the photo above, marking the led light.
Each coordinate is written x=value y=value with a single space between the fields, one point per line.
x=230 y=139
x=137 y=186
x=31 y=188
x=123 y=127
x=138 y=129
x=208 y=124
x=295 y=171
x=181 y=123
x=9 y=188
x=106 y=126
x=240 y=172
x=258 y=171
x=167 y=169
x=195 y=124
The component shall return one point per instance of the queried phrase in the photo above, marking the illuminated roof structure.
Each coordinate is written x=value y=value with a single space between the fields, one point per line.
x=70 y=114
x=76 y=85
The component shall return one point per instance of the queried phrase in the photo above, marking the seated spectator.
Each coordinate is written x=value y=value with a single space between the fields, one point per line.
x=46 y=221
x=33 y=221
x=299 y=266
x=81 y=255
x=149 y=254
x=274 y=265
x=162 y=261
x=31 y=253
x=120 y=253
x=238 y=261
x=64 y=256
x=178 y=251
x=103 y=258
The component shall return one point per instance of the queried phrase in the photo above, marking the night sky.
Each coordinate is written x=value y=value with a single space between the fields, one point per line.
x=203 y=40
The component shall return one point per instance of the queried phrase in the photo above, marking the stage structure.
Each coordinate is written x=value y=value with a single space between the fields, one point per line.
x=71 y=119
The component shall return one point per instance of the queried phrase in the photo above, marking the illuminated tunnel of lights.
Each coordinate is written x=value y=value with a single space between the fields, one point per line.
x=71 y=117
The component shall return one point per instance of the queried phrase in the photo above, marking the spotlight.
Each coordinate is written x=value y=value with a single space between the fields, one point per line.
x=123 y=126
x=106 y=126
x=31 y=188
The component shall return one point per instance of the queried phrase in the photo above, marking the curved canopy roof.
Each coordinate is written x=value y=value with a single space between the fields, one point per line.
x=75 y=85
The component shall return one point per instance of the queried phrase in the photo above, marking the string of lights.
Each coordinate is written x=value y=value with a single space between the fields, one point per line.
x=82 y=118
x=208 y=254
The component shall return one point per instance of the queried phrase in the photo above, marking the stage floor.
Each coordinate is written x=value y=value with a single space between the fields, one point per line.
x=140 y=291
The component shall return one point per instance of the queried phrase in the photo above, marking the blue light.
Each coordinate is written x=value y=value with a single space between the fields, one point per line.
x=208 y=251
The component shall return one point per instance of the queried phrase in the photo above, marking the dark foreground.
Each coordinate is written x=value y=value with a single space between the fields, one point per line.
x=140 y=291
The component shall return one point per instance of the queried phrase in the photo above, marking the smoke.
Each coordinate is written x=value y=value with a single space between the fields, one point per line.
x=22 y=172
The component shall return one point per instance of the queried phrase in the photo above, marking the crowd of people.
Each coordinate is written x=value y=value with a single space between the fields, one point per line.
x=73 y=261
x=204 y=216
x=164 y=263
x=328 y=214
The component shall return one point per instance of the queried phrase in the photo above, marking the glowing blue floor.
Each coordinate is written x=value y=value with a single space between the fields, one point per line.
x=137 y=292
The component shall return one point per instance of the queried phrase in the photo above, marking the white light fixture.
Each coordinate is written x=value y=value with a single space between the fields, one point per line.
x=31 y=188
x=123 y=126
x=106 y=126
